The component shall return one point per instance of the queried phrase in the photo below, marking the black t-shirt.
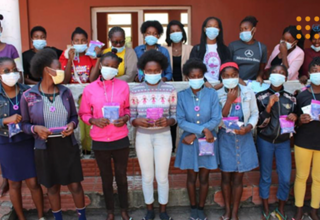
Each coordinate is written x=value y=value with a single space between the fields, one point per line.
x=26 y=59
x=276 y=61
x=307 y=135
x=177 y=74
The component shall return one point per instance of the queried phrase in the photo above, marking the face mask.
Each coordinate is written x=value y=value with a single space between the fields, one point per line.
x=80 y=48
x=176 y=37
x=277 y=79
x=230 y=83
x=152 y=78
x=108 y=72
x=196 y=83
x=151 y=40
x=246 y=36
x=289 y=45
x=212 y=32
x=315 y=78
x=119 y=49
x=39 y=44
x=317 y=49
x=10 y=79
x=59 y=76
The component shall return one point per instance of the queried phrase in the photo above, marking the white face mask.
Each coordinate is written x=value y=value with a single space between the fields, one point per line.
x=108 y=72
x=10 y=79
x=288 y=45
x=230 y=83
x=317 y=49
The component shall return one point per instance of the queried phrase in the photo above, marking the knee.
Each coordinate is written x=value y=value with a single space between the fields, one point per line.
x=34 y=186
x=147 y=178
x=75 y=188
x=54 y=190
x=162 y=179
x=237 y=182
x=15 y=185
x=203 y=180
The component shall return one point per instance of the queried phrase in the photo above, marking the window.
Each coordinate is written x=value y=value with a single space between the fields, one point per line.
x=130 y=19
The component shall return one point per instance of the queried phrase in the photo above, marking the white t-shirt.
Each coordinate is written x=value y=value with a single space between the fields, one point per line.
x=212 y=61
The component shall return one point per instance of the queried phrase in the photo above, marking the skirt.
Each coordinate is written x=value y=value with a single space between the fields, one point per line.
x=59 y=164
x=237 y=153
x=17 y=160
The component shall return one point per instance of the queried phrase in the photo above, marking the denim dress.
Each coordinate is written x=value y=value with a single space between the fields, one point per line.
x=237 y=152
x=193 y=122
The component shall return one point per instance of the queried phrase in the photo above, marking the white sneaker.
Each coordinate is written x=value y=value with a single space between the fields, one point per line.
x=43 y=218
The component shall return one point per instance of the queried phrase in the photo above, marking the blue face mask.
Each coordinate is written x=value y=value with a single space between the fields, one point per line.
x=246 y=36
x=80 y=48
x=317 y=49
x=315 y=78
x=151 y=40
x=119 y=49
x=230 y=83
x=277 y=79
x=39 y=44
x=0 y=33
x=196 y=83
x=176 y=37
x=212 y=32
x=152 y=78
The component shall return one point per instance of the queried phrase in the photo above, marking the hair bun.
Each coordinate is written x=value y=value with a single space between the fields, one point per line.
x=1 y=17
x=114 y=50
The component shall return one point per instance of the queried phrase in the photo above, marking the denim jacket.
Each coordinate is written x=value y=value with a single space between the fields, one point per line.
x=249 y=104
x=4 y=108
x=32 y=112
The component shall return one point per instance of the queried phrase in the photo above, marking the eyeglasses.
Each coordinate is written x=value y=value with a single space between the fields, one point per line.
x=118 y=42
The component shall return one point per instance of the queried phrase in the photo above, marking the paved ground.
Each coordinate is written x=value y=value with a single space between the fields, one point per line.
x=180 y=213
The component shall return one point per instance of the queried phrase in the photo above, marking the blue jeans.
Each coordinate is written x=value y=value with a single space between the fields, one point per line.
x=282 y=152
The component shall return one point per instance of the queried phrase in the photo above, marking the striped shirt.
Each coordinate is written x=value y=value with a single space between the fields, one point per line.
x=59 y=117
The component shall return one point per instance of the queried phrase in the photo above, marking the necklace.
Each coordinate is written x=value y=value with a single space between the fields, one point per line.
x=52 y=108
x=105 y=92
x=196 y=107
x=15 y=106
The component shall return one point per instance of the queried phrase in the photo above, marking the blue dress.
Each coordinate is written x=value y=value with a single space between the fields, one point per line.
x=16 y=154
x=193 y=122
x=237 y=152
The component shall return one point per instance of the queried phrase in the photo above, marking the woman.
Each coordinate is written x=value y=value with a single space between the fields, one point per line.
x=307 y=148
x=179 y=54
x=196 y=124
x=128 y=67
x=289 y=52
x=248 y=53
x=237 y=150
x=110 y=138
x=152 y=31
x=39 y=41
x=153 y=111
x=273 y=103
x=16 y=152
x=44 y=108
x=211 y=49
x=309 y=54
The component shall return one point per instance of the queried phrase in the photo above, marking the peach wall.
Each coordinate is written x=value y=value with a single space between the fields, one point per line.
x=60 y=17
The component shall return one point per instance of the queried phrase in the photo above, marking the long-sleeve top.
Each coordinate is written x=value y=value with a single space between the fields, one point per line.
x=167 y=72
x=93 y=100
x=162 y=96
x=295 y=60
x=31 y=104
x=194 y=122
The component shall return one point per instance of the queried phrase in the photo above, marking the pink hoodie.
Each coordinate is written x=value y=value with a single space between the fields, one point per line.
x=93 y=99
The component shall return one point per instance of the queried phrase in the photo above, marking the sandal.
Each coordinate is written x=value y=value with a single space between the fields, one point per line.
x=267 y=217
x=224 y=218
x=279 y=214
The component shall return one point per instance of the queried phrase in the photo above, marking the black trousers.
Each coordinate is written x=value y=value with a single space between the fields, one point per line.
x=120 y=160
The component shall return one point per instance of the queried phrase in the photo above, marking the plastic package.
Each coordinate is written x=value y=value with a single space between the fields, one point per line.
x=205 y=148
x=315 y=110
x=111 y=112
x=154 y=113
x=91 y=50
x=14 y=129
x=231 y=123
x=287 y=126
x=57 y=130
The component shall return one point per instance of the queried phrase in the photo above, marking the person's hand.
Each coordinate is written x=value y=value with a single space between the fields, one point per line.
x=232 y=95
x=189 y=139
x=283 y=48
x=208 y=135
x=303 y=80
x=99 y=122
x=273 y=99
x=97 y=50
x=143 y=122
x=243 y=130
x=164 y=79
x=305 y=118
x=292 y=117
x=121 y=121
x=42 y=132
x=71 y=53
x=162 y=122
x=208 y=85
x=69 y=130
x=242 y=82
x=15 y=119
x=259 y=79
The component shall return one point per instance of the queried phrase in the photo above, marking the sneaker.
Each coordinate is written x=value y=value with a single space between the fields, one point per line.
x=43 y=218
x=165 y=216
x=201 y=215
x=150 y=215
x=193 y=214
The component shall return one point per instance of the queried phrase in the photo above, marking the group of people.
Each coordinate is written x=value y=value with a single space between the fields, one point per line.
x=37 y=143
